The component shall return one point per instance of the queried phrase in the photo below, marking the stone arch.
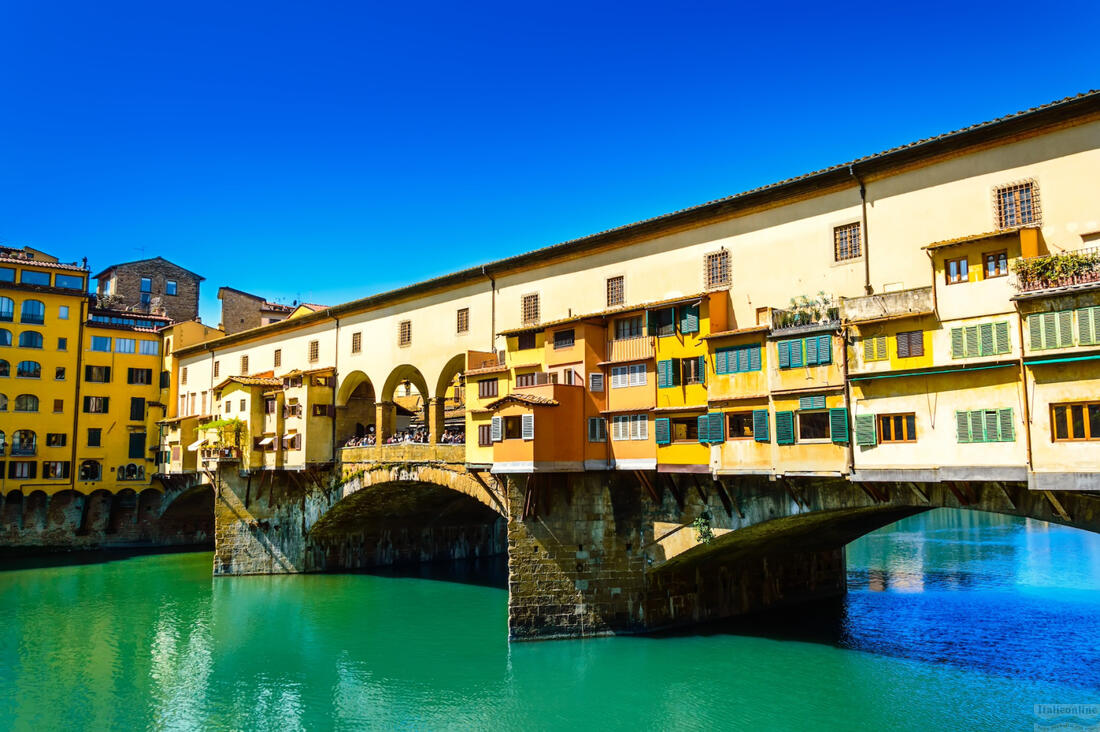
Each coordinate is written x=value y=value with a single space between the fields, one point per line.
x=99 y=510
x=35 y=506
x=439 y=404
x=12 y=517
x=123 y=510
x=356 y=413
x=350 y=385
x=387 y=413
x=455 y=366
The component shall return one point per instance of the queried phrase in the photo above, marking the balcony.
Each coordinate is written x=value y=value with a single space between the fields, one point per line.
x=224 y=454
x=1055 y=271
x=630 y=349
x=807 y=314
x=886 y=305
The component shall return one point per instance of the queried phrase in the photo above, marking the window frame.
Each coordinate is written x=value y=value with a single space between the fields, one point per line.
x=462 y=321
x=802 y=413
x=742 y=417
x=995 y=257
x=1034 y=209
x=847 y=247
x=717 y=270
x=565 y=342
x=530 y=308
x=615 y=287
x=961 y=277
x=483 y=388
x=1086 y=421
x=404 y=333
x=908 y=421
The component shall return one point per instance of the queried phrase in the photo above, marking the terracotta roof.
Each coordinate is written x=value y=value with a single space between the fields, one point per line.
x=311 y=372
x=971 y=238
x=250 y=381
x=738 y=331
x=532 y=399
x=605 y=313
x=276 y=307
x=49 y=265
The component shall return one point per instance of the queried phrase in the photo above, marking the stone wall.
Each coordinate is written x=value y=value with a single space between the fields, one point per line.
x=184 y=305
x=240 y=311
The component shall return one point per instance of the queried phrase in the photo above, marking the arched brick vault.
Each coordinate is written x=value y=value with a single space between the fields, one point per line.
x=820 y=515
x=413 y=495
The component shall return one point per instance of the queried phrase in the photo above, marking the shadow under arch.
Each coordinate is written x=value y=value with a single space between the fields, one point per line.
x=352 y=386
x=455 y=366
x=402 y=373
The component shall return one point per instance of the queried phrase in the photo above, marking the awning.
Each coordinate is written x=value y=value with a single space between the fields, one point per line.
x=1064 y=359
x=196 y=444
x=266 y=441
x=930 y=372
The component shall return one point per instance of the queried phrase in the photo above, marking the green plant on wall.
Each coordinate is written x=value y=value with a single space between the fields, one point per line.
x=1056 y=267
x=227 y=432
x=704 y=534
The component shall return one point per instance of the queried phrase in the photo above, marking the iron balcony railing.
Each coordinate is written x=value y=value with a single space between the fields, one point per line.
x=1076 y=267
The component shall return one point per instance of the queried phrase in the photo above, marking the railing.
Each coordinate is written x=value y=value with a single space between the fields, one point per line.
x=23 y=451
x=802 y=317
x=539 y=378
x=409 y=452
x=886 y=304
x=638 y=348
x=220 y=453
x=1077 y=267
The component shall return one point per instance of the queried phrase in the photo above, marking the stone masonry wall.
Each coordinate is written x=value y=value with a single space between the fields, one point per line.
x=184 y=305
x=240 y=311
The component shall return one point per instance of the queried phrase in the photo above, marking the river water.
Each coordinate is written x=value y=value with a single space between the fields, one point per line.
x=954 y=620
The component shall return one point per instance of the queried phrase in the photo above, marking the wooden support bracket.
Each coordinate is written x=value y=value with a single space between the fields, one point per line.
x=917 y=489
x=1057 y=505
x=699 y=489
x=644 y=480
x=724 y=496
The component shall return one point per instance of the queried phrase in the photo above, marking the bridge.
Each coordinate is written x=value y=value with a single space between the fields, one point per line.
x=659 y=429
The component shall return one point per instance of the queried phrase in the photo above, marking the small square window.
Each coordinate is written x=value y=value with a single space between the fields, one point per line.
x=170 y=287
x=314 y=351
x=356 y=342
x=529 y=310
x=716 y=270
x=525 y=341
x=244 y=365
x=846 y=242
x=404 y=333
x=58 y=406
x=62 y=344
x=463 y=318
x=957 y=270
x=897 y=427
x=146 y=284
x=59 y=373
x=615 y=291
x=996 y=264
x=1017 y=204
x=63 y=312
x=94 y=436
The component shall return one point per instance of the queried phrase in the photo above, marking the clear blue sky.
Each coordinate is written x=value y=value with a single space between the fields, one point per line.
x=326 y=151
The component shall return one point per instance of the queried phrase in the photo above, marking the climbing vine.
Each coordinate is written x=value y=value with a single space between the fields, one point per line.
x=704 y=534
x=1065 y=268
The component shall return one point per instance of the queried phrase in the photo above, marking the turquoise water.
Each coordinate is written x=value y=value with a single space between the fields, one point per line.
x=954 y=620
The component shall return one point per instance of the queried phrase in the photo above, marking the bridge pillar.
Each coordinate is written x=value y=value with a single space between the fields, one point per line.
x=386 y=420
x=436 y=411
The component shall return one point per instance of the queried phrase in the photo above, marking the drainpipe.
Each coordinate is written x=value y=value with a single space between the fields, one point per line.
x=866 y=236
x=1023 y=380
x=74 y=469
x=493 y=310
x=848 y=401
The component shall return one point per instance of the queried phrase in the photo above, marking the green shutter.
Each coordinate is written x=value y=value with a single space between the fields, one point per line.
x=784 y=349
x=722 y=361
x=650 y=324
x=760 y=426
x=985 y=339
x=796 y=353
x=662 y=431
x=977 y=426
x=689 y=319
x=675 y=371
x=811 y=351
x=957 y=343
x=702 y=369
x=962 y=426
x=970 y=335
x=1065 y=329
x=1084 y=327
x=1050 y=330
x=824 y=349
x=754 y=350
x=1001 y=342
x=865 y=430
x=992 y=425
x=784 y=428
x=717 y=430
x=664 y=373
x=1007 y=426
x=1035 y=331
x=812 y=402
x=703 y=426
x=838 y=424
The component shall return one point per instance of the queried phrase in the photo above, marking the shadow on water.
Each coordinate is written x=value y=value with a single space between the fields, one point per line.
x=16 y=559
x=482 y=571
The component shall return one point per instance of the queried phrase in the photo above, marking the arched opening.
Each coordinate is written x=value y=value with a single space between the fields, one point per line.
x=65 y=510
x=188 y=518
x=400 y=523
x=356 y=414
x=34 y=511
x=123 y=511
x=12 y=517
x=402 y=414
x=447 y=416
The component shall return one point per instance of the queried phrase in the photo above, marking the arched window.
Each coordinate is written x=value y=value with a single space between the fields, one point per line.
x=24 y=442
x=90 y=470
x=28 y=370
x=30 y=339
x=26 y=403
x=3 y=402
x=5 y=337
x=32 y=311
x=7 y=309
x=3 y=441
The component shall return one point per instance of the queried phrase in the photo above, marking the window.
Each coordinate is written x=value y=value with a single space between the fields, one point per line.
x=693 y=370
x=30 y=339
x=170 y=287
x=404 y=333
x=244 y=365
x=322 y=410
x=91 y=470
x=595 y=381
x=149 y=348
x=985 y=425
x=996 y=264
x=513 y=428
x=663 y=322
x=314 y=351
x=597 y=429
x=564 y=338
x=62 y=344
x=487 y=388
x=32 y=311
x=228 y=407
x=31 y=277
x=217 y=368
x=7 y=309
x=813 y=425
x=95 y=404
x=846 y=244
x=615 y=296
x=137 y=409
x=26 y=403
x=529 y=309
x=737 y=359
x=982 y=339
x=183 y=375
x=630 y=427
x=28 y=370
x=146 y=284
x=3 y=407
x=125 y=345
x=874 y=348
x=102 y=344
x=484 y=435
x=1075 y=422
x=958 y=270
x=24 y=442
x=463 y=321
x=525 y=341
x=22 y=468
x=809 y=351
x=97 y=374
x=139 y=376
x=684 y=429
x=68 y=282
x=137 y=446
x=631 y=375
x=897 y=427
x=59 y=373
x=269 y=405
x=716 y=270
x=910 y=343
x=63 y=312
x=628 y=328
x=5 y=337
x=356 y=342
x=739 y=425
x=165 y=379
x=94 y=436
x=58 y=406
x=244 y=406
x=1017 y=205
x=56 y=439
x=7 y=274
x=278 y=359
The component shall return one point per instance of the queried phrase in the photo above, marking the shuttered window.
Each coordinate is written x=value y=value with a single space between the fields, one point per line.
x=816 y=401
x=838 y=425
x=711 y=427
x=484 y=435
x=497 y=429
x=668 y=373
x=487 y=388
x=874 y=348
x=689 y=319
x=635 y=427
x=597 y=429
x=595 y=381
x=810 y=351
x=528 y=426
x=982 y=339
x=897 y=427
x=662 y=430
x=631 y=375
x=1088 y=326
x=693 y=370
x=784 y=428
x=910 y=344
x=1052 y=329
x=760 y=426
x=865 y=430
x=639 y=427
x=737 y=359
x=985 y=425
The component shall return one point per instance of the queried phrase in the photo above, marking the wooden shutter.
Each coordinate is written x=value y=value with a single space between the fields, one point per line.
x=1050 y=330
x=816 y=401
x=595 y=382
x=1007 y=426
x=754 y=351
x=1088 y=325
x=760 y=431
x=796 y=353
x=784 y=349
x=985 y=339
x=977 y=426
x=962 y=426
x=903 y=345
x=992 y=424
x=721 y=361
x=642 y=433
x=592 y=429
x=497 y=429
x=838 y=424
x=702 y=369
x=957 y=350
x=527 y=426
x=1065 y=329
x=1001 y=341
x=824 y=349
x=869 y=348
x=811 y=351
x=784 y=428
x=717 y=431
x=970 y=335
x=1035 y=331
x=689 y=319
x=703 y=427
x=662 y=431
x=663 y=368
x=866 y=430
